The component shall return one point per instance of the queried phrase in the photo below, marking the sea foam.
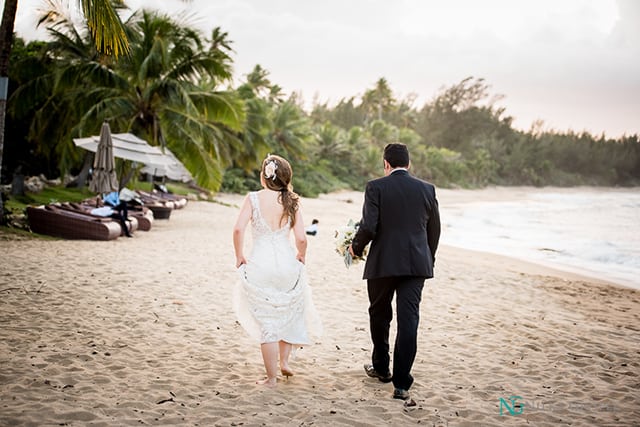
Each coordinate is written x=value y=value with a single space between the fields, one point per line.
x=595 y=233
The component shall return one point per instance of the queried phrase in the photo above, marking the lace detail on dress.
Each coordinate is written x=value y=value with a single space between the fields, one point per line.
x=259 y=226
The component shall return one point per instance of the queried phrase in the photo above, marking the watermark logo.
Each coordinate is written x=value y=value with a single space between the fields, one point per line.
x=512 y=405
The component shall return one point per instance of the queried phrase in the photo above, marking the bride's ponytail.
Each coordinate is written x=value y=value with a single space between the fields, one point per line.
x=277 y=173
x=289 y=201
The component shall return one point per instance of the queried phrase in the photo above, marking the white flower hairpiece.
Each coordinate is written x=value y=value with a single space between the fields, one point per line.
x=270 y=170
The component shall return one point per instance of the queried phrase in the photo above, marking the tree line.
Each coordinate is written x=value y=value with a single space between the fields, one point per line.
x=174 y=88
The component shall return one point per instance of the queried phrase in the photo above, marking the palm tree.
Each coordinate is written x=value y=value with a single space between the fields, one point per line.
x=169 y=91
x=330 y=142
x=166 y=91
x=6 y=41
x=78 y=66
x=262 y=98
x=104 y=23
x=257 y=124
x=378 y=100
x=174 y=89
x=291 y=130
x=108 y=35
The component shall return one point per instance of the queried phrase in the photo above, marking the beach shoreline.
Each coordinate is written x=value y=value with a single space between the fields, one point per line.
x=577 y=230
x=141 y=332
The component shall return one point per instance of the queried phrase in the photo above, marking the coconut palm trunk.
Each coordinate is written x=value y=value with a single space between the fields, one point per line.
x=6 y=42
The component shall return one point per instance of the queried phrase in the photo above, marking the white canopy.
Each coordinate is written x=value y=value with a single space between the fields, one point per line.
x=130 y=147
x=175 y=171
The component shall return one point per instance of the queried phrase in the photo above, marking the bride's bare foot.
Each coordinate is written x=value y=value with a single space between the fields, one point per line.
x=268 y=382
x=286 y=371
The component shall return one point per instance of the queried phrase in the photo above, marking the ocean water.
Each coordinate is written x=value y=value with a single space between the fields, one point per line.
x=594 y=233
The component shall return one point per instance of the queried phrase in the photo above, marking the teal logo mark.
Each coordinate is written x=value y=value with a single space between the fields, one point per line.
x=512 y=406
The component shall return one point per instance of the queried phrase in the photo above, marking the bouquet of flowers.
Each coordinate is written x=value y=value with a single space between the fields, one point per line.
x=343 y=238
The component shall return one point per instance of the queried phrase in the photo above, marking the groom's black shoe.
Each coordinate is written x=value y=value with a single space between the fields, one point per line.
x=400 y=393
x=371 y=371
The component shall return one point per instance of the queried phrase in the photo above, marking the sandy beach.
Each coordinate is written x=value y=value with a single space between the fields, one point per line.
x=141 y=331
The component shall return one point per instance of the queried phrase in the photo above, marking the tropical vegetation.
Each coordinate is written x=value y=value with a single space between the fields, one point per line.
x=103 y=22
x=174 y=88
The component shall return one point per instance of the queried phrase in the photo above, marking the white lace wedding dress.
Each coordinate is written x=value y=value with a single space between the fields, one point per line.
x=273 y=301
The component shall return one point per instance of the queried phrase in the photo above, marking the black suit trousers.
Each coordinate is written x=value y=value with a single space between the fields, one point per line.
x=408 y=293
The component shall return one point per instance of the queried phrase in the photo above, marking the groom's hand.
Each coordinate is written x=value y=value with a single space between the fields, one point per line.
x=351 y=251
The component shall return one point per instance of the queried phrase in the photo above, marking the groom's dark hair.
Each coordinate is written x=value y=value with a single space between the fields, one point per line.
x=397 y=155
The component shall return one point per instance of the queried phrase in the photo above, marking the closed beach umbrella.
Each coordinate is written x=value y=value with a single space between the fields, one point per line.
x=104 y=174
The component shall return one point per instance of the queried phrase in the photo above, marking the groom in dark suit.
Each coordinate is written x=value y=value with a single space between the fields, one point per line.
x=400 y=218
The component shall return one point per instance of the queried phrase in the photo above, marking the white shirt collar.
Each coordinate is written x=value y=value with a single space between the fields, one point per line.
x=398 y=169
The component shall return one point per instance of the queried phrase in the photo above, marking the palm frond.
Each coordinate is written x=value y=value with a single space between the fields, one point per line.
x=105 y=25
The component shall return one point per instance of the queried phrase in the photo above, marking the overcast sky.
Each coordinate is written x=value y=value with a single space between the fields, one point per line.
x=574 y=64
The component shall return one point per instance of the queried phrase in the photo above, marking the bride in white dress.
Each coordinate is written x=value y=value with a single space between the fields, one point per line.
x=273 y=301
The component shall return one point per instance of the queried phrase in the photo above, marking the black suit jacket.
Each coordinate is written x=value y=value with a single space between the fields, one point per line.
x=401 y=219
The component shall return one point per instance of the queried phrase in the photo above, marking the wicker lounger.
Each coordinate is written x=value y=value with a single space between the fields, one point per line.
x=159 y=211
x=161 y=208
x=144 y=219
x=157 y=198
x=179 y=202
x=57 y=222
